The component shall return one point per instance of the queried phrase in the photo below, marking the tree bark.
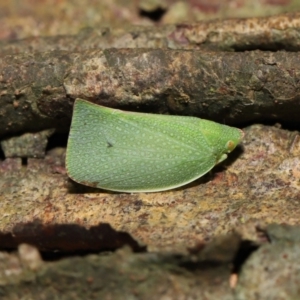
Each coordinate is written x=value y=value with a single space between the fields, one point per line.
x=37 y=90
x=268 y=33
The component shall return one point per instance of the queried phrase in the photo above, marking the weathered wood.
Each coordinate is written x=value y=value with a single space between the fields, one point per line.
x=270 y=33
x=37 y=90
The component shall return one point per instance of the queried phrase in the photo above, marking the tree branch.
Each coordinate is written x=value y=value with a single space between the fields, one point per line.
x=37 y=90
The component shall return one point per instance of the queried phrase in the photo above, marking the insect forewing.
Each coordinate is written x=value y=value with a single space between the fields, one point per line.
x=134 y=152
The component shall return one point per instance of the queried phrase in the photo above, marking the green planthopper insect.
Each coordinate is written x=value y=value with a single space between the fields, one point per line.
x=138 y=152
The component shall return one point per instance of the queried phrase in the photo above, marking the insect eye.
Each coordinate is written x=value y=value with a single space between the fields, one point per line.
x=230 y=146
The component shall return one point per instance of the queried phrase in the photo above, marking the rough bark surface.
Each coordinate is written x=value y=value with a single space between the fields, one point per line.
x=122 y=275
x=256 y=185
x=208 y=273
x=269 y=33
x=37 y=90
